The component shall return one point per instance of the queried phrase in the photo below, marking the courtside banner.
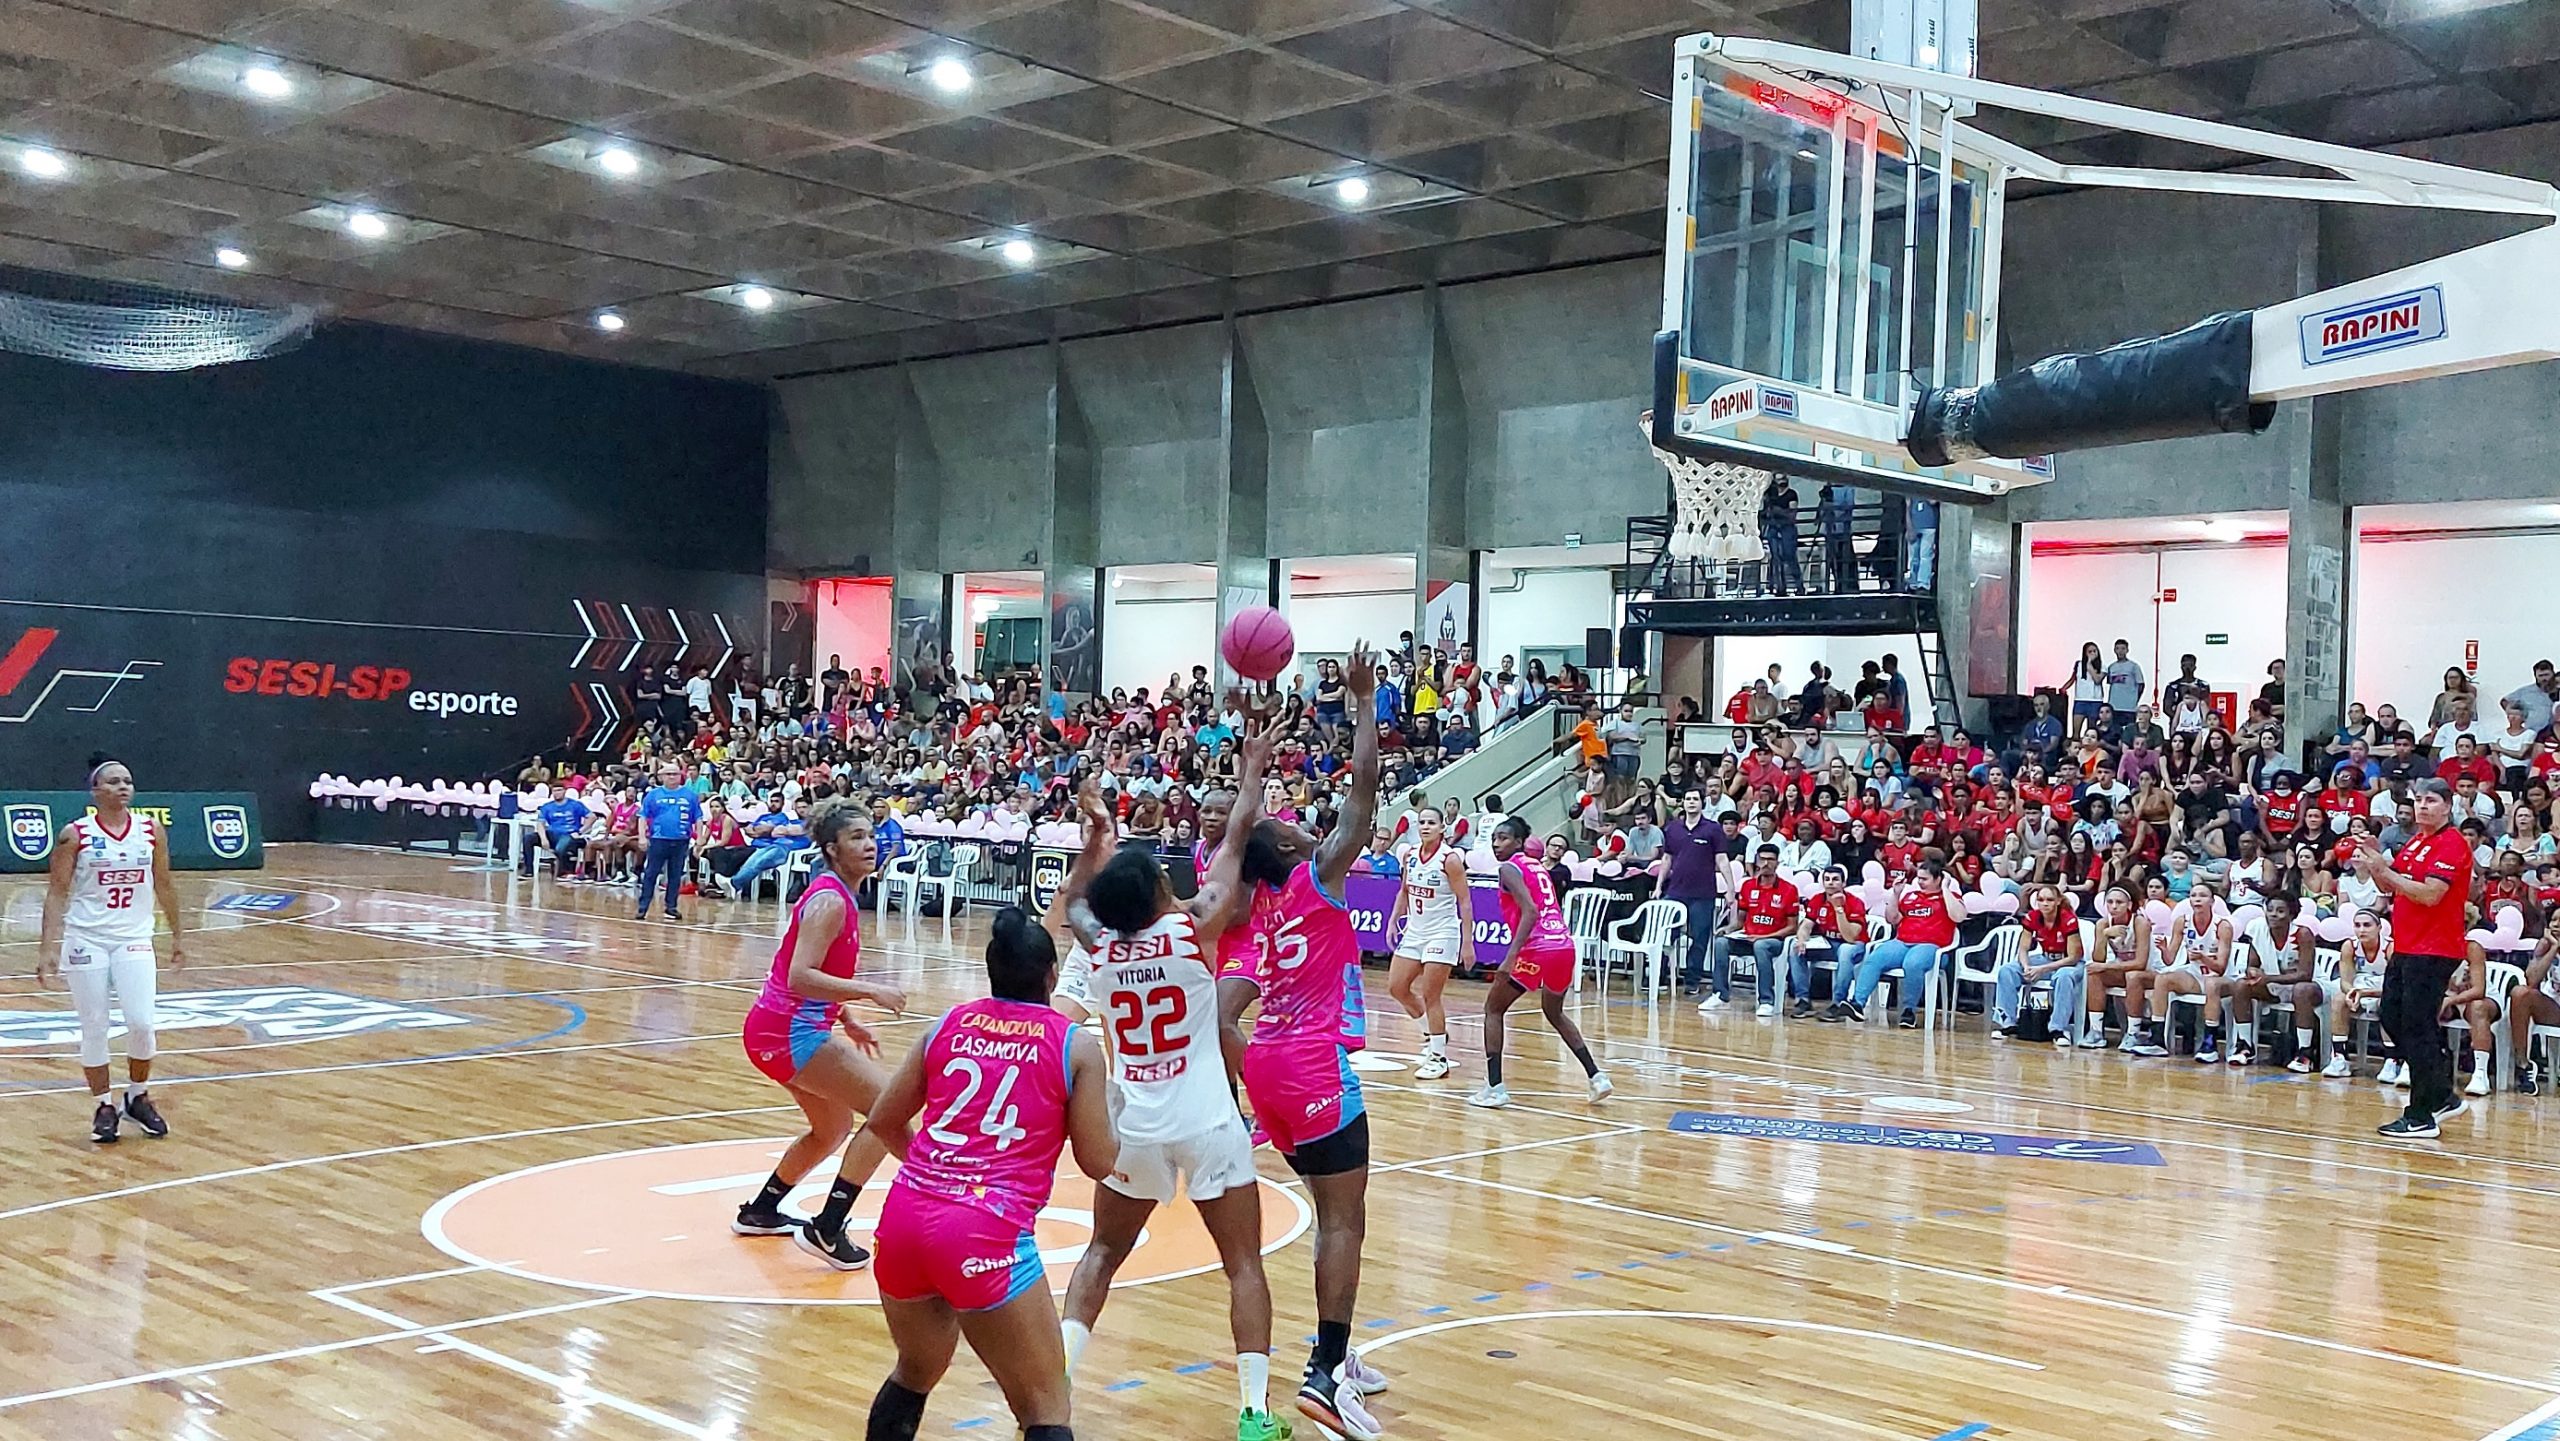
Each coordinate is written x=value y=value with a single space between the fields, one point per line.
x=1369 y=899
x=207 y=830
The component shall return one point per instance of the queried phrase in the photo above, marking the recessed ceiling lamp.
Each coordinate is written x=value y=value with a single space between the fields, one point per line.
x=755 y=297
x=608 y=322
x=231 y=257
x=1019 y=251
x=365 y=225
x=951 y=75
x=618 y=162
x=43 y=164
x=1351 y=190
x=266 y=82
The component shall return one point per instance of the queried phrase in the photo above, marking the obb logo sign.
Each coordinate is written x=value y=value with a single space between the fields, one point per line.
x=226 y=830
x=30 y=831
x=1048 y=876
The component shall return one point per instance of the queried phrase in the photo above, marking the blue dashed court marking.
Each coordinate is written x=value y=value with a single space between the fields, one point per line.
x=1132 y=1384
x=1971 y=1428
x=1435 y=1310
x=971 y=1424
x=1627 y=1266
x=1195 y=1368
x=1535 y=1286
x=1584 y=1275
x=1380 y=1324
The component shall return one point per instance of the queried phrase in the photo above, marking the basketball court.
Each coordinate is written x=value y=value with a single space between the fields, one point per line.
x=453 y=1151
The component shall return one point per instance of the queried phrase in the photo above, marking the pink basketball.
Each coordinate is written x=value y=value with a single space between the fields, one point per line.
x=1258 y=643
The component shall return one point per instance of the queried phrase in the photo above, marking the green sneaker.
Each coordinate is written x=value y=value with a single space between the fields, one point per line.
x=1262 y=1426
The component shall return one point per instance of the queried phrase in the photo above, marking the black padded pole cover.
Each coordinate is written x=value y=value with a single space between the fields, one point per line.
x=2195 y=382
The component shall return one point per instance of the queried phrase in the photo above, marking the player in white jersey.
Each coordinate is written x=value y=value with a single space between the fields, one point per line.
x=1146 y=969
x=109 y=867
x=1438 y=925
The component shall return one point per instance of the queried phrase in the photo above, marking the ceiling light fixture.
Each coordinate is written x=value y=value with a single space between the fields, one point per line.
x=950 y=75
x=608 y=322
x=42 y=163
x=755 y=297
x=616 y=161
x=231 y=257
x=1351 y=190
x=365 y=225
x=1019 y=252
x=266 y=82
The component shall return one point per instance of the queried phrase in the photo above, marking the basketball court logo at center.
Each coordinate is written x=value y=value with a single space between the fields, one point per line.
x=655 y=1222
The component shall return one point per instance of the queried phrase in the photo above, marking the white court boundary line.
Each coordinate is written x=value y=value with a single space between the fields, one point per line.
x=573 y=1390
x=1780 y=1323
x=334 y=905
x=318 y=1348
x=2524 y=1423
x=2058 y=1292
x=298 y=1162
x=164 y=1082
x=431 y=1225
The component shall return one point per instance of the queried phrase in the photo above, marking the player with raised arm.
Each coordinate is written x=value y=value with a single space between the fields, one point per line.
x=1297 y=1067
x=1541 y=959
x=109 y=869
x=1433 y=923
x=1008 y=1085
x=790 y=1035
x=1147 y=971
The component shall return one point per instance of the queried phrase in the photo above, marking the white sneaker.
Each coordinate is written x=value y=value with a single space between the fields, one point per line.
x=2394 y=1073
x=2094 y=1039
x=1714 y=1003
x=1764 y=1010
x=1431 y=1067
x=1368 y=1379
x=2339 y=1067
x=2479 y=1082
x=1491 y=1097
x=2062 y=1041
x=1601 y=1089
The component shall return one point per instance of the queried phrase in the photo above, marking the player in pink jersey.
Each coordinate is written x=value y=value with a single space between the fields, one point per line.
x=1297 y=1067
x=791 y=1036
x=1240 y=944
x=1541 y=959
x=1006 y=1084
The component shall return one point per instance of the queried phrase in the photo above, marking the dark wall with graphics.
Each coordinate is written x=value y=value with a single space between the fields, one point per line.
x=385 y=553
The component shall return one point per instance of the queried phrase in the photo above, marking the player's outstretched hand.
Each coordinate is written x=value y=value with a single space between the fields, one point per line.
x=1360 y=671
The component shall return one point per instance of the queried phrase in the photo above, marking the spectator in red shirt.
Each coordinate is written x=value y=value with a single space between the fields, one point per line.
x=2429 y=883
x=1834 y=921
x=2051 y=956
x=1900 y=854
x=1923 y=915
x=2466 y=760
x=1765 y=912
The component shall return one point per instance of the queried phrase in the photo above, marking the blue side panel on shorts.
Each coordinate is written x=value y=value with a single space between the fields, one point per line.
x=1355 y=1003
x=806 y=1040
x=1353 y=1106
x=1028 y=1271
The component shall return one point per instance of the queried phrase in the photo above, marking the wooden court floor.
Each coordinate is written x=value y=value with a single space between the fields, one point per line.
x=453 y=1155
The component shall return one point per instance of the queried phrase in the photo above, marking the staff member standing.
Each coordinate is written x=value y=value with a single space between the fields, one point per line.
x=2429 y=882
x=1693 y=846
x=667 y=816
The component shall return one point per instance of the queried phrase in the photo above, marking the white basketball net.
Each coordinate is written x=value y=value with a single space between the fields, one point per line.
x=122 y=327
x=1715 y=507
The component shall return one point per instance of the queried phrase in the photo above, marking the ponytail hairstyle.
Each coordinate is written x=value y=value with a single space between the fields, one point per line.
x=1022 y=959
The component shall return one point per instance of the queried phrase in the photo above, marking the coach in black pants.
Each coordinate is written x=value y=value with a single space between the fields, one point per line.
x=2430 y=883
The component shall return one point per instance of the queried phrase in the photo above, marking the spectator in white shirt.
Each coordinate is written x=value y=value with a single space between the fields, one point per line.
x=1805 y=851
x=2459 y=722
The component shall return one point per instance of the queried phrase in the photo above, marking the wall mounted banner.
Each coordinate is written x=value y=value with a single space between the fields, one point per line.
x=1370 y=899
x=208 y=830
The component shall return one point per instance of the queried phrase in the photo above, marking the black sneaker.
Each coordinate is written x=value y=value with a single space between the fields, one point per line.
x=2451 y=1109
x=751 y=1221
x=2526 y=1083
x=146 y=1115
x=675 y=915
x=1801 y=1009
x=2405 y=1129
x=102 y=1126
x=1908 y=1020
x=1325 y=1400
x=1838 y=1011
x=837 y=1250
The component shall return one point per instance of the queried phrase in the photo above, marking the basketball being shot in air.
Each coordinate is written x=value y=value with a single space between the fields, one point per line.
x=1113 y=719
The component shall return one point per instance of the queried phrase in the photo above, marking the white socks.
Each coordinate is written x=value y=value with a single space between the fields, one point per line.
x=1253 y=1379
x=1076 y=1334
x=2305 y=1040
x=1436 y=1045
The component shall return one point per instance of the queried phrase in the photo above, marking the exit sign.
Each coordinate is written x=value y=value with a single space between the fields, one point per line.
x=2217 y=638
x=2170 y=596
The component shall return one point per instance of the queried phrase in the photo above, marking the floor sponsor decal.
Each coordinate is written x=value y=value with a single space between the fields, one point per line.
x=266 y=1013
x=1916 y=1138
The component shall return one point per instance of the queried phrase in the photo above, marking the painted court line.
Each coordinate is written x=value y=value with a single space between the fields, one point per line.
x=2005 y=1283
x=297 y=1163
x=1780 y=1323
x=164 y=1082
x=2540 y=1425
x=322 y=1348
x=572 y=1390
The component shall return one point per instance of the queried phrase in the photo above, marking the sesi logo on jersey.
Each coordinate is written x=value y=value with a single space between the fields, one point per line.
x=30 y=831
x=226 y=830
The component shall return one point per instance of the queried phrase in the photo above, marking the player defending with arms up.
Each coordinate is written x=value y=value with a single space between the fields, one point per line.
x=1008 y=1084
x=1147 y=970
x=1541 y=960
x=109 y=867
x=1297 y=1067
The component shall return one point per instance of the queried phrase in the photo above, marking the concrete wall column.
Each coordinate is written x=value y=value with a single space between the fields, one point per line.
x=1443 y=556
x=1245 y=575
x=1070 y=558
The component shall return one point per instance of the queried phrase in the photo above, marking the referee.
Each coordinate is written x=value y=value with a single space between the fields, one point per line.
x=2430 y=884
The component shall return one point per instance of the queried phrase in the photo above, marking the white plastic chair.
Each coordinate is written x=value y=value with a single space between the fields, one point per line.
x=772 y=877
x=1657 y=927
x=1895 y=974
x=899 y=882
x=2005 y=943
x=2503 y=977
x=964 y=863
x=2538 y=1031
x=1586 y=908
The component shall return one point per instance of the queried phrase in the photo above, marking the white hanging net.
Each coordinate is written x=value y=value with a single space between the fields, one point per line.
x=1715 y=506
x=117 y=326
